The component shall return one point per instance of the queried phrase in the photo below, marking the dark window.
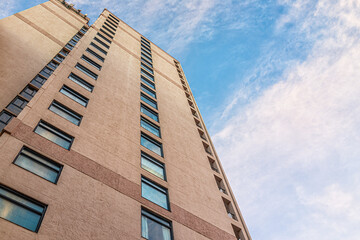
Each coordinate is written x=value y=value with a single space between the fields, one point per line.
x=107 y=29
x=77 y=97
x=146 y=48
x=146 y=62
x=54 y=134
x=148 y=112
x=146 y=74
x=98 y=48
x=154 y=227
x=69 y=46
x=153 y=166
x=148 y=82
x=65 y=112
x=28 y=92
x=20 y=209
x=103 y=37
x=59 y=58
x=5 y=118
x=38 y=81
x=106 y=34
x=101 y=42
x=53 y=65
x=77 y=37
x=148 y=100
x=107 y=24
x=91 y=62
x=147 y=57
x=72 y=42
x=81 y=82
x=146 y=124
x=146 y=41
x=64 y=52
x=86 y=71
x=95 y=54
x=38 y=164
x=148 y=90
x=146 y=52
x=83 y=30
x=114 y=18
x=17 y=105
x=154 y=193
x=112 y=23
x=147 y=68
x=151 y=144
x=46 y=72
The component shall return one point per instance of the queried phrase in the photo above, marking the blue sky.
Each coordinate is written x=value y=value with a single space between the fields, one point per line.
x=278 y=84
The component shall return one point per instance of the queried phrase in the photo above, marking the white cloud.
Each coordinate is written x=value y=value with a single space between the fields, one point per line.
x=292 y=154
x=7 y=8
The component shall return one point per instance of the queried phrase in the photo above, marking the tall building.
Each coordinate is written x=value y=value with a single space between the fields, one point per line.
x=101 y=137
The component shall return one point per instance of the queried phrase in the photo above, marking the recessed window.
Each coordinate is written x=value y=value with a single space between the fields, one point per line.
x=103 y=37
x=220 y=184
x=98 y=48
x=20 y=209
x=107 y=24
x=148 y=82
x=144 y=40
x=38 y=81
x=72 y=42
x=145 y=43
x=54 y=134
x=5 y=118
x=146 y=62
x=83 y=30
x=154 y=193
x=151 y=144
x=111 y=23
x=69 y=47
x=78 y=80
x=147 y=57
x=38 y=164
x=107 y=29
x=152 y=165
x=154 y=227
x=148 y=100
x=113 y=18
x=147 y=68
x=238 y=233
x=65 y=112
x=77 y=37
x=106 y=34
x=95 y=54
x=213 y=165
x=148 y=90
x=86 y=71
x=101 y=42
x=145 y=51
x=148 y=112
x=146 y=47
x=17 y=105
x=53 y=65
x=64 y=52
x=46 y=72
x=91 y=62
x=229 y=209
x=146 y=124
x=77 y=97
x=146 y=74
x=59 y=58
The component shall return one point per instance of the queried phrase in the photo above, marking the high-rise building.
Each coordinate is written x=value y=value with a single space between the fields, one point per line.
x=101 y=137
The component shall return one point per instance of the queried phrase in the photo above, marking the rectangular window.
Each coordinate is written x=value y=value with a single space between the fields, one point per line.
x=146 y=74
x=17 y=105
x=95 y=54
x=103 y=37
x=146 y=52
x=64 y=52
x=146 y=48
x=148 y=90
x=86 y=71
x=148 y=100
x=38 y=81
x=83 y=30
x=113 y=18
x=153 y=166
x=28 y=92
x=107 y=24
x=155 y=227
x=111 y=23
x=54 y=134
x=5 y=118
x=151 y=144
x=154 y=193
x=146 y=62
x=38 y=164
x=144 y=40
x=20 y=209
x=147 y=68
x=145 y=43
x=59 y=58
x=53 y=65
x=147 y=82
x=69 y=46
x=148 y=112
x=147 y=57
x=91 y=62
x=77 y=97
x=77 y=37
x=98 y=48
x=106 y=33
x=78 y=80
x=72 y=42
x=107 y=29
x=146 y=124
x=65 y=112
x=101 y=42
x=46 y=72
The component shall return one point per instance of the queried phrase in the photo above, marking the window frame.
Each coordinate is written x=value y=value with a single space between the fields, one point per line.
x=153 y=141
x=157 y=187
x=151 y=111
x=98 y=48
x=86 y=71
x=81 y=82
x=101 y=42
x=147 y=82
x=91 y=62
x=66 y=110
x=76 y=94
x=142 y=119
x=158 y=219
x=147 y=90
x=142 y=95
x=95 y=54
x=154 y=161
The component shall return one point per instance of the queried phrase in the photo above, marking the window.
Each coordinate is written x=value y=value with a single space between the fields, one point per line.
x=145 y=56
x=64 y=52
x=98 y=48
x=59 y=58
x=95 y=54
x=91 y=62
x=154 y=227
x=5 y=118
x=238 y=233
x=148 y=90
x=65 y=112
x=220 y=184
x=146 y=62
x=146 y=48
x=147 y=82
x=77 y=37
x=83 y=30
x=38 y=81
x=46 y=72
x=101 y=42
x=54 y=134
x=28 y=92
x=154 y=193
x=229 y=209
x=20 y=209
x=150 y=126
x=147 y=68
x=153 y=166
x=72 y=42
x=107 y=24
x=38 y=164
x=107 y=29
x=144 y=40
x=17 y=105
x=53 y=65
x=110 y=22
x=102 y=36
x=151 y=144
x=81 y=82
x=149 y=101
x=145 y=43
x=148 y=112
x=146 y=74
x=106 y=34
x=69 y=46
x=86 y=71
x=113 y=18
x=74 y=95
x=145 y=51
x=213 y=165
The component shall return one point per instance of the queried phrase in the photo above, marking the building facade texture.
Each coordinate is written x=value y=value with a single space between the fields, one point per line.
x=101 y=137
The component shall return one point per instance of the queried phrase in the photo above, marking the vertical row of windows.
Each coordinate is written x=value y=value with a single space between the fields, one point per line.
x=153 y=226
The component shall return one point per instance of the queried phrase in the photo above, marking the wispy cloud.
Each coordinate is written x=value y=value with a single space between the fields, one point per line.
x=292 y=151
x=7 y=8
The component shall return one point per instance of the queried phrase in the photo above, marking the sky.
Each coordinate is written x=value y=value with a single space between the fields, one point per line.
x=278 y=85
